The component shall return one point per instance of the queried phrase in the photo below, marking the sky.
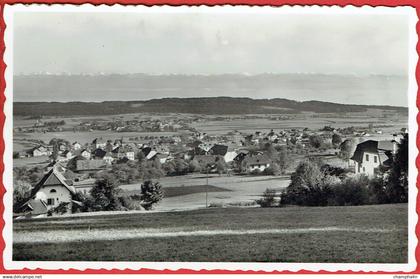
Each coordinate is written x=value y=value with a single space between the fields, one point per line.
x=209 y=43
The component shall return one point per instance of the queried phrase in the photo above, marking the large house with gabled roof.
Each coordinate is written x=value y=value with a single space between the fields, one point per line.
x=54 y=189
x=371 y=154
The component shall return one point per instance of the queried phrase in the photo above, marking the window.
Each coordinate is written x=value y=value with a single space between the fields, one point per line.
x=53 y=191
x=367 y=157
x=375 y=159
x=50 y=201
x=364 y=169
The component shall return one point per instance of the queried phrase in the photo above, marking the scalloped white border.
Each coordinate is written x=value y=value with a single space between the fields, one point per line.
x=9 y=12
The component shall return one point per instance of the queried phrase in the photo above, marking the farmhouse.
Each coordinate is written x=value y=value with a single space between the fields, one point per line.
x=54 y=189
x=371 y=154
x=40 y=151
x=258 y=163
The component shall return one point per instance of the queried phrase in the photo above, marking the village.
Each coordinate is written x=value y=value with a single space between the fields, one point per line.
x=222 y=139
x=73 y=167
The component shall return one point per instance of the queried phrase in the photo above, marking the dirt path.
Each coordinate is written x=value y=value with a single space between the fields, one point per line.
x=58 y=236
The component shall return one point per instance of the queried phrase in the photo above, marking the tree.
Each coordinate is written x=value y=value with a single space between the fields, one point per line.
x=336 y=140
x=151 y=194
x=105 y=193
x=21 y=192
x=270 y=151
x=315 y=141
x=397 y=184
x=283 y=159
x=125 y=173
x=377 y=191
x=305 y=185
x=140 y=156
x=32 y=176
x=57 y=141
x=221 y=166
x=347 y=148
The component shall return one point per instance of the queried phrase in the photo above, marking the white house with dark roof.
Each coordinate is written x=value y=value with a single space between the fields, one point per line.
x=108 y=158
x=76 y=146
x=85 y=154
x=370 y=155
x=54 y=189
x=258 y=162
x=40 y=151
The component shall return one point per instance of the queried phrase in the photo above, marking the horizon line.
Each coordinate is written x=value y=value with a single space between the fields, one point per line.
x=213 y=97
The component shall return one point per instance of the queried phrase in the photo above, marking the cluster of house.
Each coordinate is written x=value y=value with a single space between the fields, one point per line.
x=42 y=127
x=134 y=125
x=54 y=188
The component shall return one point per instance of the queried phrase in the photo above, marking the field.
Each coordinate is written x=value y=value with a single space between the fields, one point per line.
x=303 y=121
x=363 y=234
x=230 y=191
x=212 y=127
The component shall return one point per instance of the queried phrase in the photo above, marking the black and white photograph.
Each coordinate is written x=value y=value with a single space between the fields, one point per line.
x=227 y=134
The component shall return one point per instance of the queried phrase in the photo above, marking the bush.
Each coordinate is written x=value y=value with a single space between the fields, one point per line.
x=312 y=185
x=273 y=169
x=315 y=141
x=268 y=199
x=194 y=166
x=60 y=209
x=256 y=172
x=352 y=191
x=129 y=203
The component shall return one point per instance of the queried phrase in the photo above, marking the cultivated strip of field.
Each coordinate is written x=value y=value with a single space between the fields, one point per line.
x=184 y=190
x=57 y=236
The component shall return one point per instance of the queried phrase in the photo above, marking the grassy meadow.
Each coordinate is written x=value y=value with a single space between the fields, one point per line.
x=354 y=234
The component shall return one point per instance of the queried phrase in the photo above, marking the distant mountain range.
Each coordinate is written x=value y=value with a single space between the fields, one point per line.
x=205 y=105
x=48 y=94
x=343 y=89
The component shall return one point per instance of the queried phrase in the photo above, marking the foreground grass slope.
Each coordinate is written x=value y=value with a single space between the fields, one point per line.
x=343 y=234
